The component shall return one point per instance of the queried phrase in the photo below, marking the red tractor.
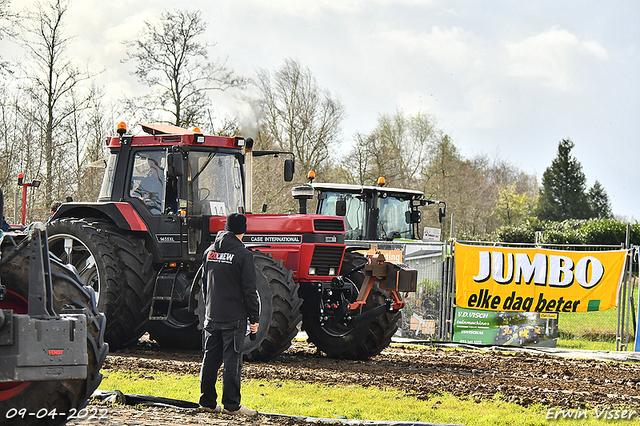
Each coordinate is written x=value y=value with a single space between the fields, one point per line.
x=164 y=197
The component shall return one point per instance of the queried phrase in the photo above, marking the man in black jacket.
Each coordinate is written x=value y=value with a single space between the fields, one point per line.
x=230 y=298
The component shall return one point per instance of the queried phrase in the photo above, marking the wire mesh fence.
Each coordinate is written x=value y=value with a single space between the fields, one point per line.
x=421 y=315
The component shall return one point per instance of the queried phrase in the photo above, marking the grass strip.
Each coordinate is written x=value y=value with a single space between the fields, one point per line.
x=351 y=402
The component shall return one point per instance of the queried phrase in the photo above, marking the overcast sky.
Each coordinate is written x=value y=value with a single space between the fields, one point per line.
x=504 y=78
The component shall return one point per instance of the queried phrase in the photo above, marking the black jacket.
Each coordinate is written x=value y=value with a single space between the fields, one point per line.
x=229 y=281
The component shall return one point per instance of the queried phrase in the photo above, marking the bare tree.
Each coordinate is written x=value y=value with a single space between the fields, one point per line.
x=483 y=193
x=269 y=187
x=52 y=76
x=396 y=150
x=6 y=20
x=4 y=13
x=87 y=129
x=170 y=58
x=359 y=158
x=300 y=116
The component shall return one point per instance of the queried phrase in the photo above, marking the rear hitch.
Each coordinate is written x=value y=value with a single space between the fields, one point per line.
x=392 y=276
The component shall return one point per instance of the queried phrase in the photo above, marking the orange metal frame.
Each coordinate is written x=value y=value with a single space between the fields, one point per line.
x=374 y=270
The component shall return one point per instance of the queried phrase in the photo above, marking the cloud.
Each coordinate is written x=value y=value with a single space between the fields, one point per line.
x=554 y=57
x=450 y=48
x=311 y=8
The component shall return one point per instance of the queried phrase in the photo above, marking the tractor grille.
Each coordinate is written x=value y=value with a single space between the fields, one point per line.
x=325 y=257
x=328 y=225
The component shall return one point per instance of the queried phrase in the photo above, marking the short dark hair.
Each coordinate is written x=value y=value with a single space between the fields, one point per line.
x=55 y=206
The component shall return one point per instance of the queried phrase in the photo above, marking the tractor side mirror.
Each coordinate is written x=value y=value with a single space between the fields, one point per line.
x=442 y=211
x=289 y=169
x=341 y=208
x=174 y=164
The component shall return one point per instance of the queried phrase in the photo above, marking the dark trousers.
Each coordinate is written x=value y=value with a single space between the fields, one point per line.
x=223 y=343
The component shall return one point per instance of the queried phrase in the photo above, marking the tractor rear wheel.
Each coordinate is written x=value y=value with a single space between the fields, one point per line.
x=117 y=266
x=279 y=309
x=52 y=400
x=361 y=341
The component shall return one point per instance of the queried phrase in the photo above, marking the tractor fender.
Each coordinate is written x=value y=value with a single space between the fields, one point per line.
x=122 y=215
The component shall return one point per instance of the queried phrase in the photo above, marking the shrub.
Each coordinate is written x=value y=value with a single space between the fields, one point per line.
x=572 y=231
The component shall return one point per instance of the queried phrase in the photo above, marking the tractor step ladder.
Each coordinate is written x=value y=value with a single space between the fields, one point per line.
x=163 y=295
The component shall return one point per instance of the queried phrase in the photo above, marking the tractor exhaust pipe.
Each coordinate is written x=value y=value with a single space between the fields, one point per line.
x=248 y=151
x=302 y=194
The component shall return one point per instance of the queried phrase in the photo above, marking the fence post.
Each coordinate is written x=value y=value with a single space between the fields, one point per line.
x=622 y=334
x=448 y=289
x=443 y=292
x=636 y=254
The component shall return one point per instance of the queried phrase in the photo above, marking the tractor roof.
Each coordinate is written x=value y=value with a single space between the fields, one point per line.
x=357 y=189
x=164 y=135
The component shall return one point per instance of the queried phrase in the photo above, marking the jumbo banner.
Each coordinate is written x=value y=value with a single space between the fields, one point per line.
x=537 y=280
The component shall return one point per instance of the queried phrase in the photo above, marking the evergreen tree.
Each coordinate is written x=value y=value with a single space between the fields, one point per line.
x=599 y=201
x=563 y=193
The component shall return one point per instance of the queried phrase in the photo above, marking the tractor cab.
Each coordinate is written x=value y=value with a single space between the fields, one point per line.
x=173 y=179
x=373 y=213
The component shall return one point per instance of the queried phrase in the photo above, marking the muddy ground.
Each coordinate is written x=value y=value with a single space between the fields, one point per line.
x=523 y=378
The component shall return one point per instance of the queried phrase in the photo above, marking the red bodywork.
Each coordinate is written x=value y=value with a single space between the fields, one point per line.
x=297 y=254
x=176 y=139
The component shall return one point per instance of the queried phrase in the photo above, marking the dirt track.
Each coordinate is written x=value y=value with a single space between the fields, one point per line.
x=523 y=378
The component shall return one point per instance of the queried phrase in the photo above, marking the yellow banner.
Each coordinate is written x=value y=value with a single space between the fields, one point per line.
x=537 y=280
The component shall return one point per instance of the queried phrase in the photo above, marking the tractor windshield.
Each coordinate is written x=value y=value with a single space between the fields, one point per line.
x=215 y=183
x=392 y=222
x=355 y=218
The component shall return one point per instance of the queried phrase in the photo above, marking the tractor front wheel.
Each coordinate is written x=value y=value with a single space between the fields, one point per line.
x=279 y=309
x=360 y=341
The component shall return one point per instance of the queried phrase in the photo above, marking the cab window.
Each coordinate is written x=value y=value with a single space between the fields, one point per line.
x=148 y=179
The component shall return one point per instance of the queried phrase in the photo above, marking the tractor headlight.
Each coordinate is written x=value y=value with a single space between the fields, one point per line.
x=332 y=271
x=312 y=271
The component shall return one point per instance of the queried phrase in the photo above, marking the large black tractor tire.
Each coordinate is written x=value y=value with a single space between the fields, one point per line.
x=358 y=342
x=55 y=401
x=116 y=265
x=279 y=309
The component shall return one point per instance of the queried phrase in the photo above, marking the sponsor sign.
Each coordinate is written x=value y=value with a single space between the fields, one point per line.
x=431 y=234
x=389 y=255
x=537 y=280
x=505 y=328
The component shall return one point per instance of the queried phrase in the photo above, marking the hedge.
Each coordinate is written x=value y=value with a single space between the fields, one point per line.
x=572 y=231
